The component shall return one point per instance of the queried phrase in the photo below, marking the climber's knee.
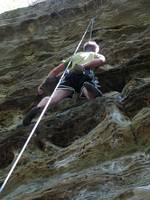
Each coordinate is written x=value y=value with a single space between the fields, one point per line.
x=43 y=102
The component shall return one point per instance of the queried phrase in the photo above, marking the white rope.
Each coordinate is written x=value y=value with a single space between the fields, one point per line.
x=92 y=25
x=40 y=117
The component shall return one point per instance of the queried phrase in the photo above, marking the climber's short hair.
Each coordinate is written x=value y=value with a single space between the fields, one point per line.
x=91 y=46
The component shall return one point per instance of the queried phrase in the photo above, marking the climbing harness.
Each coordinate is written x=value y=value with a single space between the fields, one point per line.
x=45 y=108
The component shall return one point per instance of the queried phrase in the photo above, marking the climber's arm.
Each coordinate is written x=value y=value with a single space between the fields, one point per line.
x=96 y=63
x=51 y=76
x=57 y=70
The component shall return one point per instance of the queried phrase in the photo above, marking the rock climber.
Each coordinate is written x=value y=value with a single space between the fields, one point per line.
x=79 y=77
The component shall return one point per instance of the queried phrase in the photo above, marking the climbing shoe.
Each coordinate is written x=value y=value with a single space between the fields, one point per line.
x=32 y=113
x=91 y=88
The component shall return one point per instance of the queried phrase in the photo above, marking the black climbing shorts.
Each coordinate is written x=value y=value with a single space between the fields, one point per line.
x=74 y=82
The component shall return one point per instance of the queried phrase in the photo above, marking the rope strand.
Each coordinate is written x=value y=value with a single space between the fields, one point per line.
x=92 y=25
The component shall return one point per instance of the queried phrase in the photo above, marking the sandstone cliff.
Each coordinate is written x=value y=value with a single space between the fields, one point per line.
x=82 y=150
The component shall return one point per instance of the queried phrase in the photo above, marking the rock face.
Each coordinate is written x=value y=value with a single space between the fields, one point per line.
x=82 y=150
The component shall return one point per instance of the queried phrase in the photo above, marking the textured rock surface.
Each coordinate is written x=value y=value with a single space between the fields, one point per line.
x=82 y=150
